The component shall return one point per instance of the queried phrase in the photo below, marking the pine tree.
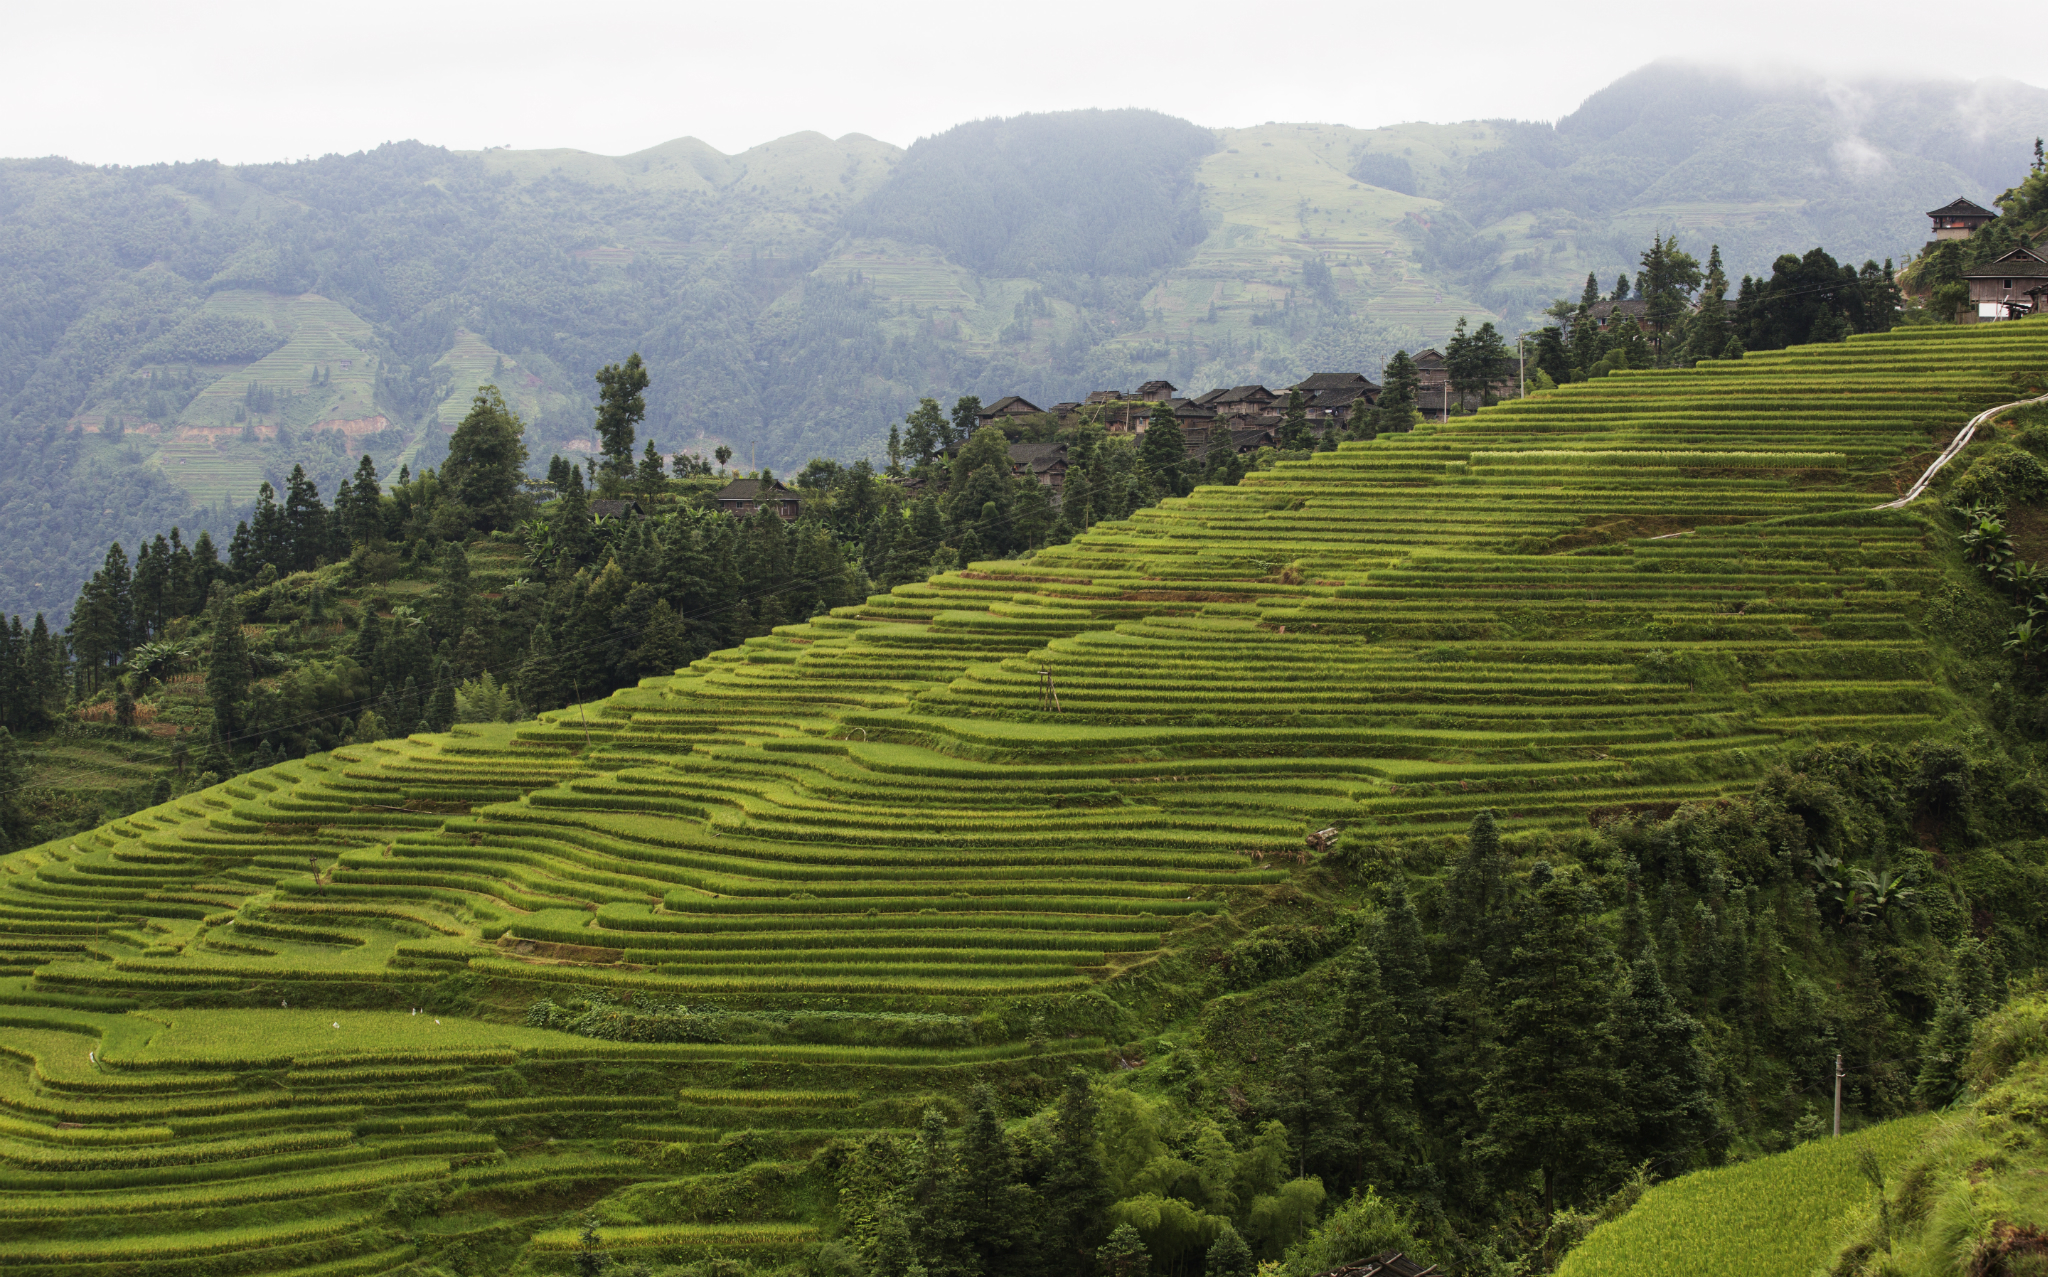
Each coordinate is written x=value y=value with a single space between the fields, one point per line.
x=472 y=654
x=1632 y=923
x=1394 y=413
x=1374 y=1077
x=966 y=419
x=1828 y=327
x=368 y=729
x=1590 y=295
x=103 y=621
x=1707 y=333
x=1164 y=452
x=16 y=826
x=408 y=705
x=305 y=524
x=361 y=505
x=206 y=569
x=487 y=452
x=990 y=1194
x=621 y=407
x=217 y=760
x=1549 y=1103
x=932 y=1200
x=450 y=601
x=924 y=435
x=664 y=642
x=541 y=681
x=1294 y=434
x=1124 y=1254
x=652 y=474
x=1975 y=980
x=1944 y=1050
x=270 y=535
x=1074 y=1189
x=1229 y=1256
x=227 y=670
x=1477 y=895
x=1668 y=1083
x=1304 y=1098
x=440 y=710
x=1358 y=422
x=1668 y=279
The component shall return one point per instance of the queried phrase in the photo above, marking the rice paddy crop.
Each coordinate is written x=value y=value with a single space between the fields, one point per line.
x=995 y=788
x=1774 y=1217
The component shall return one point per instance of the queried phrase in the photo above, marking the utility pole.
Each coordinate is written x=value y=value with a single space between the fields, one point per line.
x=1522 y=361
x=1838 y=1095
x=580 y=717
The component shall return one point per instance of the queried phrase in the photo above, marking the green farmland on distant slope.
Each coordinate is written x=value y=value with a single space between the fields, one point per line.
x=1621 y=596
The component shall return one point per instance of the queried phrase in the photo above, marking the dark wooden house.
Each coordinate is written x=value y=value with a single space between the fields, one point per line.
x=1608 y=312
x=2009 y=288
x=743 y=497
x=1390 y=1264
x=1045 y=462
x=1156 y=391
x=1331 y=394
x=1959 y=218
x=1241 y=401
x=1007 y=406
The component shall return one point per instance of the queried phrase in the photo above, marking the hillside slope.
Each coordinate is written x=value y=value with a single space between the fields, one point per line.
x=796 y=298
x=910 y=845
x=1776 y=1217
x=1958 y=1192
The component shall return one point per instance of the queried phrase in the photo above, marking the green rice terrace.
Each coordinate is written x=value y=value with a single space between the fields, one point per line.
x=946 y=837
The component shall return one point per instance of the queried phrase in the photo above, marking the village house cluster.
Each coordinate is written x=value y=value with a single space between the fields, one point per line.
x=2010 y=286
x=1251 y=413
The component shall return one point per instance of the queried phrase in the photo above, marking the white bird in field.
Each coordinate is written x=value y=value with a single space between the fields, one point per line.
x=337 y=1024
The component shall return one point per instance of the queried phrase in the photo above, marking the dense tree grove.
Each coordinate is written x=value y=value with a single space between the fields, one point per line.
x=1685 y=314
x=1474 y=1045
x=451 y=595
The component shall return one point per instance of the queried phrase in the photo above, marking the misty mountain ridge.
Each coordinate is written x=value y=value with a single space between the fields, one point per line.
x=172 y=334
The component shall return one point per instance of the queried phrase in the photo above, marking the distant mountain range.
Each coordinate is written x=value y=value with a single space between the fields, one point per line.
x=171 y=334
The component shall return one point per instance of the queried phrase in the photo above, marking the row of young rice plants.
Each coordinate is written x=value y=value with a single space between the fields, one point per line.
x=1340 y=542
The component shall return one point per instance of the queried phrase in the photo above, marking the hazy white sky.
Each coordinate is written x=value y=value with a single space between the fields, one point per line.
x=118 y=81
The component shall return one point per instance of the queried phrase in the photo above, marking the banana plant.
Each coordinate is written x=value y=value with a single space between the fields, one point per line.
x=1985 y=542
x=1835 y=883
x=2026 y=579
x=2026 y=639
x=161 y=659
x=1870 y=894
x=538 y=535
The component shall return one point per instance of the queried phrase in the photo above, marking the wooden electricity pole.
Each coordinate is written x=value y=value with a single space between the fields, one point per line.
x=1049 y=696
x=1838 y=1095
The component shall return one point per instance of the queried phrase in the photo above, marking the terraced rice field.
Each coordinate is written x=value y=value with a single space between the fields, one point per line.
x=1622 y=595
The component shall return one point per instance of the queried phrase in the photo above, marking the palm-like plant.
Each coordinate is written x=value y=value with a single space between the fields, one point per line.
x=1985 y=542
x=2025 y=578
x=538 y=535
x=2026 y=638
x=1871 y=893
x=1835 y=882
x=162 y=658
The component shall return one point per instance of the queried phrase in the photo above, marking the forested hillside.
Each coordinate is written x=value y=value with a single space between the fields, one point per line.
x=171 y=334
x=1419 y=845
